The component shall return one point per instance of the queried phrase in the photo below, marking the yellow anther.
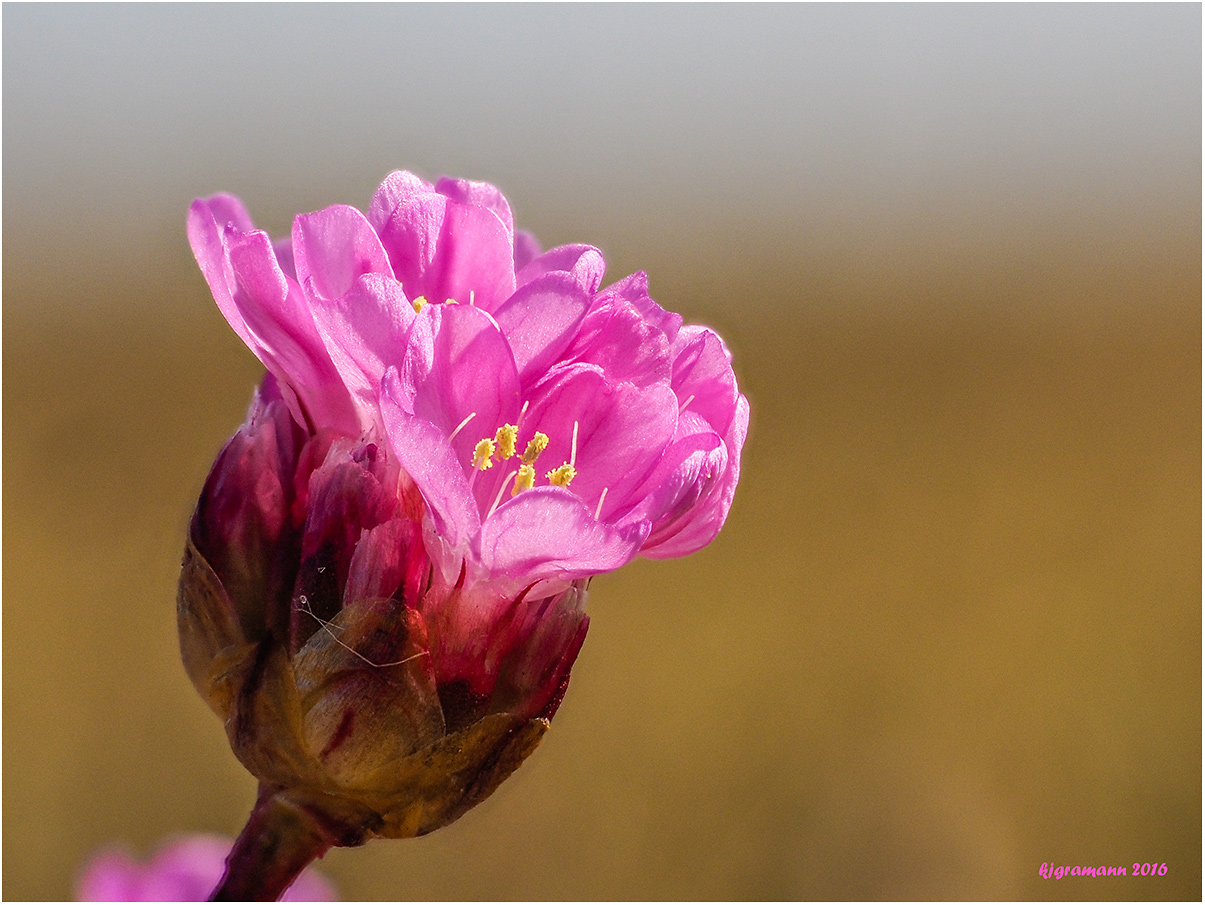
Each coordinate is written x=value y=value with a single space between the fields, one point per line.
x=482 y=454
x=524 y=479
x=505 y=438
x=560 y=477
x=450 y=301
x=418 y=303
x=535 y=446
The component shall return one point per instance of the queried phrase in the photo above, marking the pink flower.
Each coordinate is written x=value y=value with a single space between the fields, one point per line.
x=186 y=870
x=457 y=431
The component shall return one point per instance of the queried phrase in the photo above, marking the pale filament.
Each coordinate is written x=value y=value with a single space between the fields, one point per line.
x=501 y=487
x=598 y=509
x=461 y=425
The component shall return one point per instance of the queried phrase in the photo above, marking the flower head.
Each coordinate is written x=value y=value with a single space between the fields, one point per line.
x=385 y=581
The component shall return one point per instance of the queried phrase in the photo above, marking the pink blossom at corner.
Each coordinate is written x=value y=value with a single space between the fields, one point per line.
x=186 y=870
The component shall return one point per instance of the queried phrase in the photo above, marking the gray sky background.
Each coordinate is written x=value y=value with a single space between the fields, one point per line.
x=630 y=126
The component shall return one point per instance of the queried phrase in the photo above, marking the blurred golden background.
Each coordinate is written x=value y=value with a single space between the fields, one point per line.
x=952 y=629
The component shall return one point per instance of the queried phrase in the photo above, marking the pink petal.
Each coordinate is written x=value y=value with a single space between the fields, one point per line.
x=547 y=532
x=423 y=451
x=693 y=465
x=703 y=377
x=458 y=364
x=688 y=516
x=634 y=289
x=540 y=320
x=622 y=430
x=583 y=262
x=266 y=310
x=333 y=247
x=365 y=332
x=187 y=870
x=627 y=334
x=207 y=222
x=111 y=876
x=310 y=886
x=475 y=260
x=478 y=194
x=276 y=314
x=707 y=517
x=284 y=257
x=458 y=245
x=407 y=213
x=527 y=249
x=227 y=210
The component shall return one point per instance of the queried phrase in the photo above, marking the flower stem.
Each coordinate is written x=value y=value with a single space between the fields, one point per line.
x=277 y=843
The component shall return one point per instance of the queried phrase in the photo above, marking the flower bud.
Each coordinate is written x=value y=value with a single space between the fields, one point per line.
x=350 y=678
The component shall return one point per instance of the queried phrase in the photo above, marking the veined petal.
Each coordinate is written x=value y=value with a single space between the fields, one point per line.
x=333 y=247
x=627 y=334
x=262 y=305
x=273 y=311
x=547 y=532
x=699 y=526
x=475 y=259
x=634 y=289
x=407 y=213
x=365 y=332
x=703 y=377
x=422 y=449
x=450 y=241
x=622 y=429
x=478 y=194
x=207 y=222
x=583 y=262
x=687 y=473
x=458 y=365
x=540 y=320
